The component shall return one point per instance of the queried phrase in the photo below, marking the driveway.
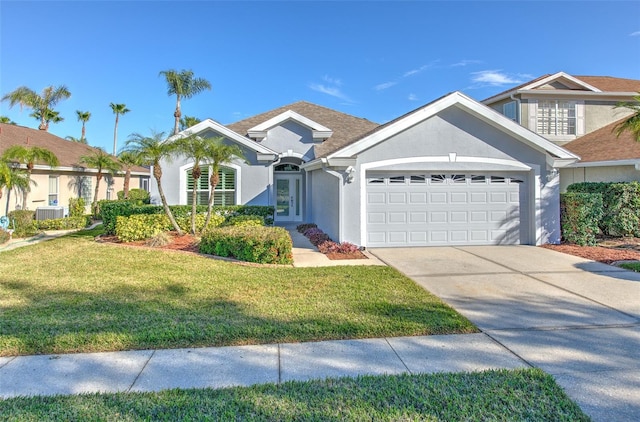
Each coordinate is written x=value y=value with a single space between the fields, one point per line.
x=576 y=319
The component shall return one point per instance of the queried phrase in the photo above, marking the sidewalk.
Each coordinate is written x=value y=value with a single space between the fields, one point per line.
x=220 y=367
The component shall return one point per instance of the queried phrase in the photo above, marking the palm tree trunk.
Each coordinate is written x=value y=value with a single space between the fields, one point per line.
x=177 y=114
x=6 y=210
x=25 y=193
x=194 y=200
x=115 y=135
x=94 y=206
x=157 y=173
x=127 y=181
x=83 y=133
x=214 y=179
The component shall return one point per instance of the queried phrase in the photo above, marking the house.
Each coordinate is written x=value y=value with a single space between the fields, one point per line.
x=453 y=172
x=579 y=113
x=71 y=179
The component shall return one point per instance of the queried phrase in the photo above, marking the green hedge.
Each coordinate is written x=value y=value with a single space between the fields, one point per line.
x=110 y=210
x=141 y=226
x=23 y=222
x=66 y=223
x=245 y=221
x=265 y=245
x=621 y=206
x=579 y=216
x=76 y=207
x=137 y=196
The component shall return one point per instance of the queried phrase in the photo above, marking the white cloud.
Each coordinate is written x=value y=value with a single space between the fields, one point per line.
x=384 y=85
x=496 y=78
x=635 y=34
x=412 y=97
x=328 y=79
x=329 y=90
x=418 y=70
x=465 y=63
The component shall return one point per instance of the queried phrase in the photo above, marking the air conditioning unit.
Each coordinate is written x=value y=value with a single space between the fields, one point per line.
x=49 y=213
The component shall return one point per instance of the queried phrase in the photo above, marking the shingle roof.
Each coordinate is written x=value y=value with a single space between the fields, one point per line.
x=68 y=152
x=344 y=126
x=603 y=83
x=604 y=145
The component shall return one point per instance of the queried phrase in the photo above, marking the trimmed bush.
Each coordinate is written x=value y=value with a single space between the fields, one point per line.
x=63 y=223
x=76 y=207
x=265 y=245
x=245 y=221
x=141 y=226
x=137 y=196
x=4 y=236
x=23 y=222
x=579 y=217
x=621 y=206
x=330 y=246
x=185 y=222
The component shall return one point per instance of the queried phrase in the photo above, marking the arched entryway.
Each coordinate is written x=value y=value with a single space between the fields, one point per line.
x=288 y=190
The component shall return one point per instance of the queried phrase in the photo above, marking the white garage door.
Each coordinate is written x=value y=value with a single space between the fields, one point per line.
x=444 y=209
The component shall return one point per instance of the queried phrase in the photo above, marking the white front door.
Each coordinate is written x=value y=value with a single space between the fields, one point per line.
x=288 y=191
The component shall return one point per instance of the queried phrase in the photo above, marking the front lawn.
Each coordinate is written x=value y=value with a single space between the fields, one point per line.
x=633 y=266
x=501 y=395
x=75 y=295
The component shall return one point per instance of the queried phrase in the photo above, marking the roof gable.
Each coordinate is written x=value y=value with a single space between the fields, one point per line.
x=558 y=155
x=319 y=132
x=559 y=80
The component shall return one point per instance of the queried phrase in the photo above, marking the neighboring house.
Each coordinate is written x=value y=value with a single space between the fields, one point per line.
x=71 y=179
x=578 y=112
x=453 y=172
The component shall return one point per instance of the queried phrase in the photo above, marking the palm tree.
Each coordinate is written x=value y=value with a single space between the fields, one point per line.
x=101 y=161
x=7 y=120
x=118 y=109
x=74 y=139
x=50 y=116
x=187 y=121
x=631 y=123
x=217 y=154
x=30 y=156
x=194 y=148
x=13 y=178
x=128 y=159
x=183 y=84
x=41 y=103
x=152 y=150
x=83 y=116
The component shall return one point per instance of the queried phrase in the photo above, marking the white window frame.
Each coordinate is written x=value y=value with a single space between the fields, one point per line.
x=54 y=191
x=510 y=110
x=561 y=116
x=184 y=193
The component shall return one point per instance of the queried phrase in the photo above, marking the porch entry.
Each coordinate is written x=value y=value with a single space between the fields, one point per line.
x=288 y=190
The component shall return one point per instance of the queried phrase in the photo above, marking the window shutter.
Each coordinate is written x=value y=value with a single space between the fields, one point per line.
x=533 y=115
x=580 y=122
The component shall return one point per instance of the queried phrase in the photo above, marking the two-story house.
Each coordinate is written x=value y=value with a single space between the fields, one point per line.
x=580 y=114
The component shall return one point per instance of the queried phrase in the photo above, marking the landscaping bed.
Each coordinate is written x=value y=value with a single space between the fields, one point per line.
x=187 y=242
x=608 y=250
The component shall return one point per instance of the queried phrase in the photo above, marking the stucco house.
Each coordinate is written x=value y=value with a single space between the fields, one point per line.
x=579 y=113
x=53 y=187
x=453 y=172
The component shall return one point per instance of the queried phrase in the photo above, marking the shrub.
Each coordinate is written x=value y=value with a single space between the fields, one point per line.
x=160 y=239
x=4 y=236
x=301 y=228
x=330 y=246
x=621 y=206
x=184 y=222
x=579 y=216
x=63 y=223
x=76 y=207
x=141 y=226
x=265 y=245
x=23 y=223
x=137 y=196
x=245 y=221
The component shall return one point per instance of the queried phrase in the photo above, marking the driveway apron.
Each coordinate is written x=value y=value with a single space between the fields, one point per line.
x=576 y=319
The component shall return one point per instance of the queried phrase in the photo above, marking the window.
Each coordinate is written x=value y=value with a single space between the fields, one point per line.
x=85 y=189
x=225 y=193
x=498 y=179
x=376 y=181
x=53 y=190
x=144 y=183
x=478 y=179
x=395 y=180
x=556 y=117
x=418 y=180
x=458 y=178
x=510 y=110
x=286 y=167
x=438 y=178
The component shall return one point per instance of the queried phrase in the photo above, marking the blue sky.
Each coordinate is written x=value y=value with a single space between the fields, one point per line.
x=376 y=60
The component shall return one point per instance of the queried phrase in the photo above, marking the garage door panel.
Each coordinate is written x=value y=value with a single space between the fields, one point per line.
x=444 y=209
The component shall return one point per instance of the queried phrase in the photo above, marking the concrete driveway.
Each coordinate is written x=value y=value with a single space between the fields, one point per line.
x=576 y=319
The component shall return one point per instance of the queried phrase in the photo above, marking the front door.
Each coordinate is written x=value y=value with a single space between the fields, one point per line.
x=288 y=195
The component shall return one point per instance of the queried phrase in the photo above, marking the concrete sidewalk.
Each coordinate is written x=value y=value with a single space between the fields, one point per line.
x=219 y=367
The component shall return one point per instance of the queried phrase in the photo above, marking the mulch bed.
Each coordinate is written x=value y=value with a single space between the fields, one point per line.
x=608 y=251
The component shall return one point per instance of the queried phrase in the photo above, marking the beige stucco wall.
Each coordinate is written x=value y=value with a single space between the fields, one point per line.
x=602 y=113
x=67 y=188
x=597 y=174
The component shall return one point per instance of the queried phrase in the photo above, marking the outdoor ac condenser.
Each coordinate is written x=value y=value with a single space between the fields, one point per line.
x=49 y=213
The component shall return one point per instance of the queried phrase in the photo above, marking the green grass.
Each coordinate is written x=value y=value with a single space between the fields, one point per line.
x=633 y=266
x=75 y=295
x=498 y=395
